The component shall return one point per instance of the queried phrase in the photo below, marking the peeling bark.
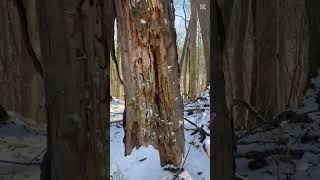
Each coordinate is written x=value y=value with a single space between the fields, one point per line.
x=151 y=78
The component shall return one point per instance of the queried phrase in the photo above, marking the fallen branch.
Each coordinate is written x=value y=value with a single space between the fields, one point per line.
x=21 y=163
x=199 y=129
x=117 y=121
x=25 y=163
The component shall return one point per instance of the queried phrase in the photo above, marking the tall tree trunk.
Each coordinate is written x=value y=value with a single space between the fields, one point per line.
x=184 y=71
x=151 y=78
x=21 y=85
x=194 y=63
x=223 y=165
x=240 y=61
x=265 y=88
x=76 y=76
x=203 y=8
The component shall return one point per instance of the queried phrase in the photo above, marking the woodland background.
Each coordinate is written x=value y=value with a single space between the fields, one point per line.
x=270 y=52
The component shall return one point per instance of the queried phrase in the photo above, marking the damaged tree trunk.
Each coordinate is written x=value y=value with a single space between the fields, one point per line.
x=151 y=78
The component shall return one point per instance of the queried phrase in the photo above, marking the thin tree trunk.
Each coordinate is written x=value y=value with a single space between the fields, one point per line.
x=194 y=63
x=203 y=8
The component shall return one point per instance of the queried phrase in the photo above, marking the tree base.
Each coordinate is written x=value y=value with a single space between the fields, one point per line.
x=3 y=114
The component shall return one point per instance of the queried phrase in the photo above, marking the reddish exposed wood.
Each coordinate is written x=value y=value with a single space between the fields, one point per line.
x=151 y=79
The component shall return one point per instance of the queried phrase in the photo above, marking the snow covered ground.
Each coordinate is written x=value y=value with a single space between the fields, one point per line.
x=144 y=163
x=288 y=150
x=20 y=143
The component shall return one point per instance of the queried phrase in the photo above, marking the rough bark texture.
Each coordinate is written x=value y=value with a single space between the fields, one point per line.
x=151 y=78
x=21 y=85
x=76 y=85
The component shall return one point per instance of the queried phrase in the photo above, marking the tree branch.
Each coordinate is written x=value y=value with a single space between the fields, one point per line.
x=199 y=129
x=21 y=163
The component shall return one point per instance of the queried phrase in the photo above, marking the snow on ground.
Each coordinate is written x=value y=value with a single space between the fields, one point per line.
x=288 y=150
x=20 y=143
x=136 y=167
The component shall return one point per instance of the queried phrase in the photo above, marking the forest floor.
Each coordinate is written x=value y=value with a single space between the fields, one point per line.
x=289 y=147
x=144 y=163
x=20 y=143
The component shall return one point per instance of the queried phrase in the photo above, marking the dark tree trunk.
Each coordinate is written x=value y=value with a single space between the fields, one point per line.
x=3 y=114
x=312 y=9
x=264 y=90
x=74 y=46
x=223 y=165
x=240 y=62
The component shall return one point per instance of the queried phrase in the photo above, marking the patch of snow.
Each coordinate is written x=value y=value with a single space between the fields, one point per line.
x=143 y=21
x=197 y=165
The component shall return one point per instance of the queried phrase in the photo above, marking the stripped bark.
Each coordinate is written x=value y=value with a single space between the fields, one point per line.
x=151 y=78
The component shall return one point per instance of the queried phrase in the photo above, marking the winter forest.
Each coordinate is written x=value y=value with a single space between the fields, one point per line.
x=137 y=89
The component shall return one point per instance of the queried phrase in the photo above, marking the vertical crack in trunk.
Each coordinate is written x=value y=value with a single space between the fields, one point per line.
x=150 y=68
